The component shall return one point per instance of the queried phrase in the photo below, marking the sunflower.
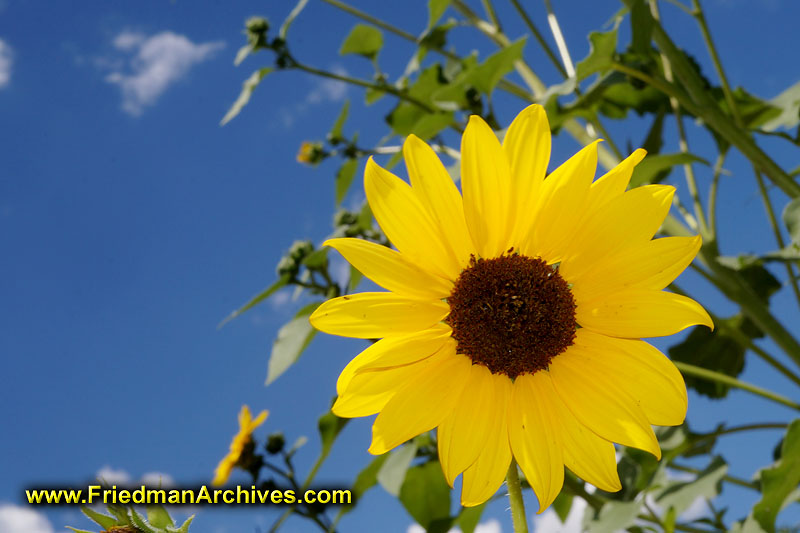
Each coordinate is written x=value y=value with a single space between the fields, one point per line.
x=246 y=427
x=515 y=311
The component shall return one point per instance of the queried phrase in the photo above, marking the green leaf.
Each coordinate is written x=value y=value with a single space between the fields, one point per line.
x=363 y=40
x=436 y=9
x=469 y=517
x=365 y=480
x=393 y=472
x=355 y=278
x=779 y=480
x=791 y=217
x=293 y=15
x=317 y=260
x=242 y=54
x=344 y=178
x=247 y=90
x=185 y=526
x=655 y=168
x=79 y=530
x=329 y=426
x=425 y=494
x=614 y=516
x=669 y=520
x=601 y=54
x=158 y=516
x=681 y=494
x=703 y=347
x=257 y=299
x=562 y=504
x=292 y=339
x=789 y=104
x=139 y=522
x=791 y=252
x=100 y=519
x=335 y=135
x=490 y=72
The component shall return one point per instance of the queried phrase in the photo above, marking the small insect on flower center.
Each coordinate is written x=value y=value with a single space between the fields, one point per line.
x=512 y=314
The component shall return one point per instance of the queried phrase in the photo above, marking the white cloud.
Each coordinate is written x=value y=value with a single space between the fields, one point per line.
x=328 y=90
x=17 y=519
x=113 y=477
x=6 y=60
x=153 y=64
x=490 y=526
x=157 y=479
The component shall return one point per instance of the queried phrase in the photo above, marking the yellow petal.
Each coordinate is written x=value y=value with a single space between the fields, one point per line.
x=391 y=270
x=640 y=370
x=614 y=416
x=423 y=403
x=370 y=315
x=367 y=393
x=464 y=433
x=560 y=206
x=613 y=183
x=484 y=477
x=395 y=351
x=626 y=221
x=435 y=189
x=535 y=436
x=527 y=148
x=653 y=265
x=637 y=313
x=486 y=182
x=406 y=222
x=589 y=456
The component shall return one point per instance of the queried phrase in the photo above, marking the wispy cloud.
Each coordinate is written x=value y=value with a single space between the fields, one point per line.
x=324 y=91
x=6 y=61
x=17 y=519
x=113 y=476
x=152 y=64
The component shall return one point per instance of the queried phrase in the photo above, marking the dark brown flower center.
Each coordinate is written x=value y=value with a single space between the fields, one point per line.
x=512 y=314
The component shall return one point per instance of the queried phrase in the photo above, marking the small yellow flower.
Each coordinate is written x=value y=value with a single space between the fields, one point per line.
x=516 y=311
x=246 y=427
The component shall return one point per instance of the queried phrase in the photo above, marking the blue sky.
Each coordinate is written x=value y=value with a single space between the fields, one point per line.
x=131 y=223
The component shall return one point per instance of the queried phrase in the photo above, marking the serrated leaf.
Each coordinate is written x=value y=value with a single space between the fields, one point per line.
x=655 y=168
x=562 y=505
x=185 y=526
x=292 y=339
x=601 y=54
x=791 y=218
x=426 y=495
x=436 y=9
x=100 y=519
x=779 y=480
x=248 y=87
x=289 y=19
x=79 y=530
x=336 y=131
x=139 y=522
x=490 y=72
x=393 y=472
x=257 y=299
x=344 y=178
x=363 y=40
x=329 y=426
x=681 y=494
x=158 y=516
x=469 y=517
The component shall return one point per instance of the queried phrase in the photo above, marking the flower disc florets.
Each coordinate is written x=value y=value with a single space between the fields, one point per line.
x=512 y=314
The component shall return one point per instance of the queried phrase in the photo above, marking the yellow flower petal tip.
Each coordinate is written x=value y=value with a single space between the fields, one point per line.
x=246 y=428
x=460 y=349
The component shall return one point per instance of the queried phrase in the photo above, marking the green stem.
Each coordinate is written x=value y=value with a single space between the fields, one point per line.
x=490 y=12
x=719 y=377
x=712 y=195
x=515 y=499
x=539 y=37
